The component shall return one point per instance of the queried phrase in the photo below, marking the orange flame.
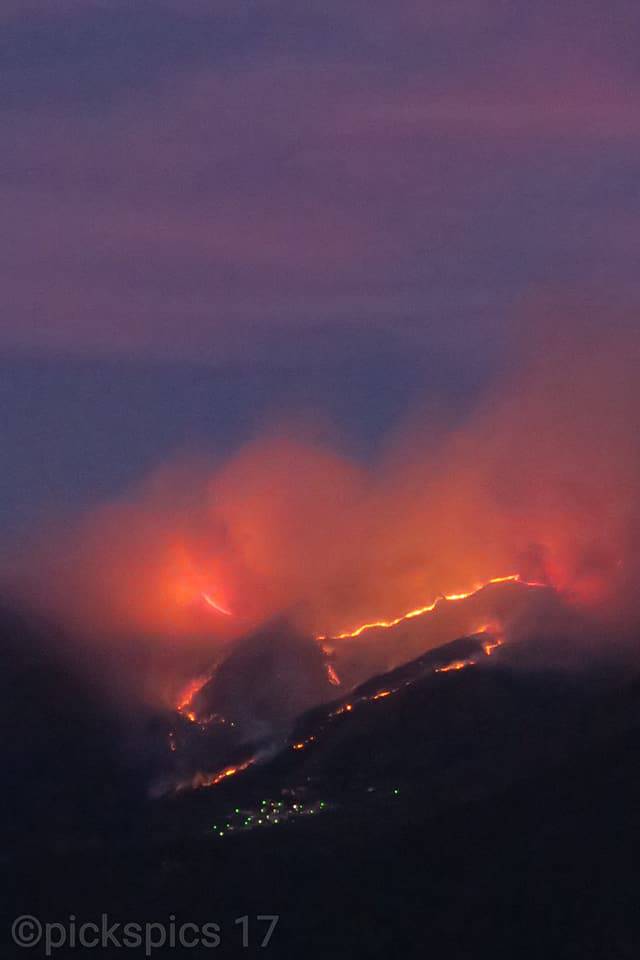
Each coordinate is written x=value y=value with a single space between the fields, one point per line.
x=211 y=779
x=495 y=640
x=303 y=743
x=455 y=665
x=186 y=698
x=490 y=645
x=333 y=675
x=429 y=608
x=345 y=708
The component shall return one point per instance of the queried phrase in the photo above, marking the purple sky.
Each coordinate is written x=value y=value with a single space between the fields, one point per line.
x=217 y=208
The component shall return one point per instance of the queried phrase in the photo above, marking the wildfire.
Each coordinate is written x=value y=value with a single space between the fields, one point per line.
x=334 y=679
x=493 y=641
x=345 y=708
x=495 y=637
x=212 y=779
x=185 y=701
x=490 y=645
x=186 y=698
x=455 y=665
x=303 y=743
x=429 y=608
x=190 y=692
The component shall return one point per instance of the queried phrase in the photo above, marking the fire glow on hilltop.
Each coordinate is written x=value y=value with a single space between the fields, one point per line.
x=429 y=608
x=188 y=694
x=489 y=645
x=184 y=704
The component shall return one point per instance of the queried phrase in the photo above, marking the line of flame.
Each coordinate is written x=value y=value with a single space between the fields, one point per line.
x=188 y=695
x=384 y=624
x=200 y=780
x=332 y=675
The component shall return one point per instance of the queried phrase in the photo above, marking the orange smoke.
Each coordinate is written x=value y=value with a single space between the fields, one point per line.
x=541 y=480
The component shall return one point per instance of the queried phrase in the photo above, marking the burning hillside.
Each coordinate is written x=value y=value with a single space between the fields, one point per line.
x=244 y=713
x=456 y=723
x=395 y=645
x=379 y=561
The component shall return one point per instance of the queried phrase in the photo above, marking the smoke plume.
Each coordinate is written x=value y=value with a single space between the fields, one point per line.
x=542 y=479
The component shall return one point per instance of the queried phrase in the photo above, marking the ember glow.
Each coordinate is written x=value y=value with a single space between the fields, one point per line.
x=202 y=780
x=185 y=700
x=541 y=480
x=184 y=704
x=489 y=646
x=456 y=665
x=421 y=670
x=332 y=675
x=345 y=708
x=429 y=608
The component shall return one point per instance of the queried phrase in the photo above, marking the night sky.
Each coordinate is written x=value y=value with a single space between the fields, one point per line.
x=219 y=213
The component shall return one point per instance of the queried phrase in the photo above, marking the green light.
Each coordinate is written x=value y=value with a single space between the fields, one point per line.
x=237 y=810
x=396 y=791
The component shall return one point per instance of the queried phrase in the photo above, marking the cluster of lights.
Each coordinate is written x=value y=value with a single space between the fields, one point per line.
x=268 y=813
x=273 y=812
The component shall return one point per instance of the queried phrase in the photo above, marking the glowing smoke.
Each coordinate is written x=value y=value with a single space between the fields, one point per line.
x=541 y=480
